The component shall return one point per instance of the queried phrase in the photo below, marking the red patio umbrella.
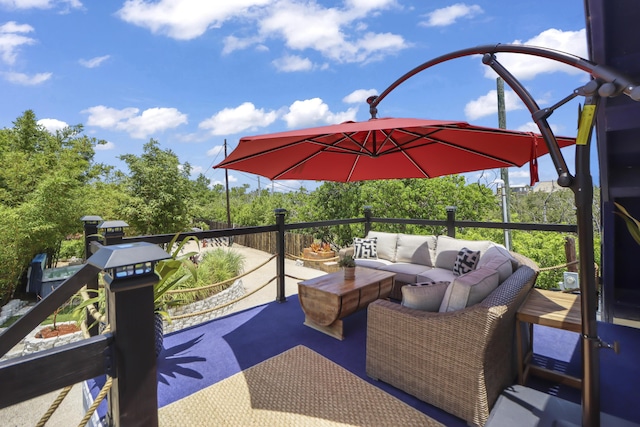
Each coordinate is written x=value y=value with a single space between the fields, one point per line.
x=386 y=148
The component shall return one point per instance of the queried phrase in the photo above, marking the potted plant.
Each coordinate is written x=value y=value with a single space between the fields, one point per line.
x=633 y=225
x=349 y=265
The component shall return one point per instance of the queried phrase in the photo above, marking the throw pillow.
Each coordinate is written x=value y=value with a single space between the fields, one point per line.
x=365 y=248
x=424 y=296
x=465 y=261
x=469 y=289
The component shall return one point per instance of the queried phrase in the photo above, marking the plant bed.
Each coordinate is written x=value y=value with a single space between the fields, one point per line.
x=60 y=329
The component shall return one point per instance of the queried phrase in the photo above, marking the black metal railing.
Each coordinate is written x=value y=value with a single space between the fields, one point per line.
x=128 y=349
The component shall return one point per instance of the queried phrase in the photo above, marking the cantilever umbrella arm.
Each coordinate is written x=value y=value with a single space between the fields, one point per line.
x=606 y=83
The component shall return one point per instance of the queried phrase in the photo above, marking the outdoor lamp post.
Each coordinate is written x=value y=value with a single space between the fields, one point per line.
x=130 y=278
x=90 y=223
x=505 y=212
x=113 y=231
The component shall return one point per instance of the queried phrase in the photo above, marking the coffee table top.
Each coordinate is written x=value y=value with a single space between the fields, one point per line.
x=335 y=283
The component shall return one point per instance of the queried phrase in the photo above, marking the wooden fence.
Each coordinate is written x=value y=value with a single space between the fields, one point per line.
x=266 y=242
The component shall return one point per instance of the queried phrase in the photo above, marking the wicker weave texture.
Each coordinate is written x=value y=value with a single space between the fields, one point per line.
x=458 y=361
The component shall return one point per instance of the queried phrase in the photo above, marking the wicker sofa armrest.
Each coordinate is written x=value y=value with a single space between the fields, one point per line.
x=458 y=361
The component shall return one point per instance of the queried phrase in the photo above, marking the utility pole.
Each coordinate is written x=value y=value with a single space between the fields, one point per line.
x=504 y=172
x=226 y=181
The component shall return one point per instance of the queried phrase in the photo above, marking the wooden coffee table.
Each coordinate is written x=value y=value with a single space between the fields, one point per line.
x=327 y=299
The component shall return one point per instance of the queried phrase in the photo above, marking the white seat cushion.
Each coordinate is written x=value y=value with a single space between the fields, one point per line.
x=436 y=275
x=499 y=259
x=407 y=273
x=469 y=289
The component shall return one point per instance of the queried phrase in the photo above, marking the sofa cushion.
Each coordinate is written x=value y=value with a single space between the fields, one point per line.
x=499 y=259
x=424 y=296
x=365 y=248
x=436 y=275
x=447 y=249
x=372 y=263
x=386 y=244
x=416 y=249
x=405 y=272
x=466 y=261
x=469 y=289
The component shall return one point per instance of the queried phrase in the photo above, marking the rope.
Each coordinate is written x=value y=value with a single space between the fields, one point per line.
x=233 y=279
x=556 y=267
x=99 y=398
x=54 y=406
x=209 y=310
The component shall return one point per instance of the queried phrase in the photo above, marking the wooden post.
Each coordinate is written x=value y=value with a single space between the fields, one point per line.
x=570 y=253
x=451 y=221
x=280 y=250
x=91 y=223
x=367 y=220
x=130 y=279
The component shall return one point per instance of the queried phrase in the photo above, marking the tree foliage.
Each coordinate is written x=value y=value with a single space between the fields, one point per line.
x=158 y=190
x=42 y=187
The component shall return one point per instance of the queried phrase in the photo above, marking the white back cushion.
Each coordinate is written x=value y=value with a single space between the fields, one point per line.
x=416 y=249
x=447 y=249
x=386 y=244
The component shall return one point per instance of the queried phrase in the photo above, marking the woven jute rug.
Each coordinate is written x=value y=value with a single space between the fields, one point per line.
x=296 y=388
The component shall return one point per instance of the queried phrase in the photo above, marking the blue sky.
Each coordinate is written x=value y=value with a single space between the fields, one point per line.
x=192 y=73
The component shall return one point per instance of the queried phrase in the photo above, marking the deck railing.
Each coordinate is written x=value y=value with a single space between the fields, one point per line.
x=126 y=353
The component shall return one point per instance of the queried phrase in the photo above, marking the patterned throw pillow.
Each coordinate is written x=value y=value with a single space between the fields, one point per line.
x=365 y=248
x=466 y=261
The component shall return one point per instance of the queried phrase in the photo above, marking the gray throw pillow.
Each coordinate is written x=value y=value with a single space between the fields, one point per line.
x=424 y=296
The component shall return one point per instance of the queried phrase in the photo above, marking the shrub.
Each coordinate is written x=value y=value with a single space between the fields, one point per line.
x=216 y=266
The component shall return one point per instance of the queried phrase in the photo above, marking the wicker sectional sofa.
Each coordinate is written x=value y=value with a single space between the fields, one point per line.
x=459 y=361
x=419 y=259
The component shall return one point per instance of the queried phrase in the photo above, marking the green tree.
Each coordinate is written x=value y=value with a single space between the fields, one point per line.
x=42 y=188
x=158 y=191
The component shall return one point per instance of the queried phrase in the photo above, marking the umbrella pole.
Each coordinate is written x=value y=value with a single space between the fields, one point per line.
x=582 y=187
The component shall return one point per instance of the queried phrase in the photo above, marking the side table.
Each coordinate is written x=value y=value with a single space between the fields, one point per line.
x=547 y=308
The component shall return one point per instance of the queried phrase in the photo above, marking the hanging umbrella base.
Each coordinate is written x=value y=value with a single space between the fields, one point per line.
x=525 y=407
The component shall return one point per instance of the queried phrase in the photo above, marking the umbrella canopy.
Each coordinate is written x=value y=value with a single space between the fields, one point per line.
x=386 y=148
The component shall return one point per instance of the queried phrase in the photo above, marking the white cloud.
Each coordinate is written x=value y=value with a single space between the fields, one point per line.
x=105 y=147
x=94 y=62
x=25 y=79
x=52 y=125
x=234 y=120
x=40 y=4
x=359 y=96
x=196 y=170
x=526 y=67
x=186 y=19
x=330 y=31
x=290 y=63
x=151 y=121
x=212 y=152
x=450 y=14
x=488 y=104
x=12 y=38
x=336 y=33
x=314 y=111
